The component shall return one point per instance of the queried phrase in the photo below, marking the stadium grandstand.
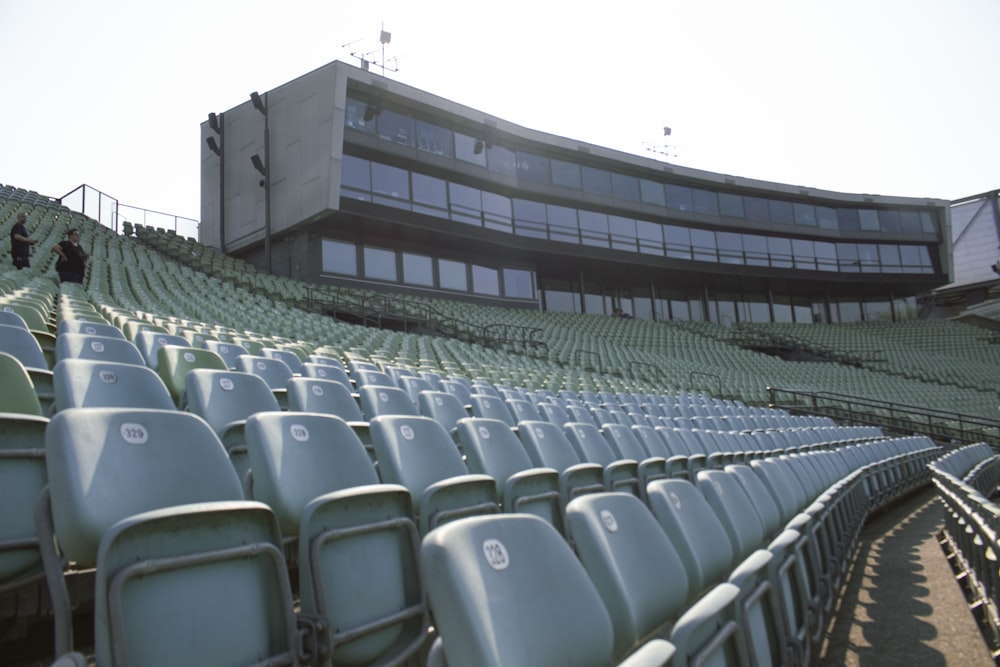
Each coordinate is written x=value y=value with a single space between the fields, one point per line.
x=424 y=388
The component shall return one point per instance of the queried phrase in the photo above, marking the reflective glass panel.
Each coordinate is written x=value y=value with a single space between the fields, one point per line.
x=805 y=214
x=356 y=178
x=826 y=217
x=755 y=250
x=679 y=198
x=652 y=192
x=496 y=212
x=485 y=280
x=390 y=185
x=397 y=128
x=430 y=195
x=466 y=204
x=622 y=233
x=533 y=168
x=731 y=205
x=562 y=224
x=625 y=187
x=380 y=263
x=452 y=275
x=703 y=245
x=518 y=284
x=530 y=219
x=594 y=229
x=596 y=181
x=340 y=257
x=434 y=139
x=418 y=270
x=677 y=241
x=847 y=219
x=869 y=220
x=781 y=211
x=705 y=202
x=650 y=235
x=757 y=209
x=565 y=174
x=501 y=161
x=465 y=149
x=780 y=250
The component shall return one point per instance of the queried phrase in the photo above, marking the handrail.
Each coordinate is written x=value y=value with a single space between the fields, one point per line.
x=717 y=378
x=940 y=424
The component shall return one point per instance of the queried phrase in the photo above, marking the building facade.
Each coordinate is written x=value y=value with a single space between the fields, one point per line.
x=344 y=177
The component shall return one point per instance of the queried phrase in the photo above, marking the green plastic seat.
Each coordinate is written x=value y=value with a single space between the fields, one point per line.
x=92 y=346
x=508 y=590
x=174 y=362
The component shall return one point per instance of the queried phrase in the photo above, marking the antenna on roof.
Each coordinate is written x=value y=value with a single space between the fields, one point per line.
x=367 y=56
x=664 y=148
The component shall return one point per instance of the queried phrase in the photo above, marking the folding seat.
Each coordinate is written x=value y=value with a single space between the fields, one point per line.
x=656 y=447
x=228 y=352
x=491 y=448
x=413 y=385
x=522 y=410
x=150 y=342
x=274 y=372
x=553 y=413
x=626 y=445
x=174 y=362
x=22 y=474
x=461 y=391
x=89 y=328
x=32 y=314
x=325 y=360
x=635 y=568
x=292 y=360
x=490 y=585
x=225 y=399
x=417 y=453
x=372 y=378
x=150 y=499
x=327 y=372
x=103 y=348
x=10 y=318
x=485 y=388
x=734 y=509
x=442 y=407
x=384 y=400
x=20 y=344
x=591 y=447
x=88 y=383
x=548 y=447
x=491 y=407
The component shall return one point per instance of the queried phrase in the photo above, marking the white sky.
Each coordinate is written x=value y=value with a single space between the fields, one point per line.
x=892 y=97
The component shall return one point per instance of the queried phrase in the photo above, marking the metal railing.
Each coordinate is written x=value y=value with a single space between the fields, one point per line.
x=108 y=211
x=938 y=424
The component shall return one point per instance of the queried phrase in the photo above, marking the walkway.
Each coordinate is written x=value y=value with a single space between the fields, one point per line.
x=902 y=605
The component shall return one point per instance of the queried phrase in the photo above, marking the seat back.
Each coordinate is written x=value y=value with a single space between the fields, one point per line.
x=174 y=362
x=734 y=509
x=327 y=372
x=274 y=372
x=307 y=394
x=224 y=397
x=88 y=383
x=292 y=360
x=17 y=393
x=23 y=346
x=694 y=529
x=228 y=352
x=547 y=445
x=103 y=348
x=150 y=342
x=490 y=585
x=89 y=328
x=379 y=400
x=296 y=457
x=491 y=407
x=632 y=563
x=442 y=407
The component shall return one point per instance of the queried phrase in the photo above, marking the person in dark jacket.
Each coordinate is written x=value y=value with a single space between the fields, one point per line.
x=72 y=258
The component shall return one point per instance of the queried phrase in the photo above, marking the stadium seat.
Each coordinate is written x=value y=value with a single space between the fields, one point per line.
x=491 y=584
x=632 y=563
x=327 y=372
x=491 y=448
x=89 y=328
x=491 y=407
x=377 y=400
x=92 y=346
x=150 y=342
x=273 y=371
x=88 y=383
x=229 y=352
x=619 y=474
x=547 y=447
x=444 y=408
x=174 y=362
x=417 y=453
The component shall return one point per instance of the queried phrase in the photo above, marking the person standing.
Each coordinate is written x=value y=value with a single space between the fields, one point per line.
x=21 y=242
x=72 y=258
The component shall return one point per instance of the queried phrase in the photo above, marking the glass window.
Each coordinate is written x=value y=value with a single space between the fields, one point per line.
x=596 y=181
x=652 y=192
x=826 y=256
x=418 y=270
x=910 y=221
x=847 y=258
x=356 y=178
x=465 y=150
x=889 y=221
x=390 y=185
x=705 y=202
x=849 y=311
x=677 y=241
x=565 y=174
x=781 y=211
x=780 y=250
x=397 y=128
x=877 y=310
x=868 y=258
x=430 y=195
x=625 y=187
x=730 y=247
x=731 y=205
x=452 y=275
x=530 y=219
x=805 y=214
x=496 y=212
x=485 y=280
x=380 y=263
x=561 y=296
x=501 y=161
x=910 y=258
x=889 y=258
x=869 y=220
x=533 y=168
x=755 y=250
x=679 y=198
x=466 y=204
x=826 y=217
x=703 y=245
x=622 y=233
x=355 y=117
x=434 y=139
x=650 y=235
x=518 y=284
x=594 y=229
x=804 y=254
x=340 y=257
x=927 y=223
x=847 y=219
x=562 y=224
x=757 y=209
